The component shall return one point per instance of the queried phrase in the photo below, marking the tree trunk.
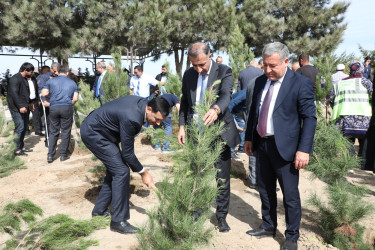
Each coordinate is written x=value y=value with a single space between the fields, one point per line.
x=177 y=60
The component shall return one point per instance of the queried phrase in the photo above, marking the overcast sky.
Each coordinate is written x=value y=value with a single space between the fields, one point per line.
x=359 y=17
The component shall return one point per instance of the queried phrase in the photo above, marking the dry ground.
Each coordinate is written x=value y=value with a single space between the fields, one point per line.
x=67 y=187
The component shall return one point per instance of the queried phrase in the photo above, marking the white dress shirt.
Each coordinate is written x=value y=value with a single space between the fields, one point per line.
x=276 y=88
x=32 y=89
x=145 y=82
x=199 y=85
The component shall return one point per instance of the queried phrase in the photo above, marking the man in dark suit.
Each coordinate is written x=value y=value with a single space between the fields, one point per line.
x=34 y=98
x=247 y=74
x=119 y=121
x=281 y=129
x=194 y=84
x=98 y=84
x=19 y=103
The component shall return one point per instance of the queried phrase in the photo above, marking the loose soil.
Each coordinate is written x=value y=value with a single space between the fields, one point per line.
x=67 y=187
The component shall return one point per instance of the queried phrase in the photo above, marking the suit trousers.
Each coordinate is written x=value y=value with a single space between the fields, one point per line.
x=36 y=117
x=21 y=122
x=223 y=182
x=272 y=167
x=60 y=118
x=115 y=188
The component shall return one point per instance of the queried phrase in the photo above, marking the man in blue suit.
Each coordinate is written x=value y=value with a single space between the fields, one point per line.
x=98 y=84
x=281 y=128
x=119 y=121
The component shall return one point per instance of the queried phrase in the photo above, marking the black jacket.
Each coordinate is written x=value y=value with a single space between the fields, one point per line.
x=18 y=93
x=224 y=90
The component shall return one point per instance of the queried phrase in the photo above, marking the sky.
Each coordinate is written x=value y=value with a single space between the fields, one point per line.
x=359 y=18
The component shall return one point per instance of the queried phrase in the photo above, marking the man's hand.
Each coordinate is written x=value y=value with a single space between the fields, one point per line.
x=210 y=117
x=23 y=110
x=46 y=104
x=247 y=147
x=181 y=136
x=31 y=106
x=301 y=160
x=147 y=179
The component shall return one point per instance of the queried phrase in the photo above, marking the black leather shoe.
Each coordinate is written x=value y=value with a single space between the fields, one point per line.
x=223 y=225
x=39 y=133
x=260 y=233
x=123 y=227
x=289 y=245
x=64 y=157
x=106 y=213
x=27 y=150
x=20 y=153
x=49 y=158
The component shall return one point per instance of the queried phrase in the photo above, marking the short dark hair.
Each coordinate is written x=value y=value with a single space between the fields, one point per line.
x=304 y=57
x=163 y=66
x=159 y=104
x=26 y=66
x=63 y=68
x=139 y=68
x=367 y=58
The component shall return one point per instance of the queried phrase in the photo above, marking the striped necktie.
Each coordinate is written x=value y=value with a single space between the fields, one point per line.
x=262 y=125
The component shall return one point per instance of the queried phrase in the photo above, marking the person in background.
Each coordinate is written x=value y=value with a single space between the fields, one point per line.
x=34 y=98
x=307 y=70
x=237 y=107
x=351 y=106
x=19 y=104
x=140 y=83
x=219 y=59
x=295 y=66
x=339 y=75
x=98 y=84
x=63 y=94
x=367 y=69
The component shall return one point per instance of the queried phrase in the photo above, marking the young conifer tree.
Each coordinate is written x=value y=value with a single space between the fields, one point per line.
x=190 y=188
x=339 y=217
x=115 y=84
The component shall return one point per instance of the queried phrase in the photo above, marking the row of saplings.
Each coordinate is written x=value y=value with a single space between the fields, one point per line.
x=190 y=187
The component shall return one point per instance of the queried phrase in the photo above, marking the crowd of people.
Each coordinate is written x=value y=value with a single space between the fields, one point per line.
x=271 y=117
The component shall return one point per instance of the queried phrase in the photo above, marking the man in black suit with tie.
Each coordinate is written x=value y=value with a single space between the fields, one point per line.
x=19 y=104
x=119 y=121
x=281 y=128
x=194 y=83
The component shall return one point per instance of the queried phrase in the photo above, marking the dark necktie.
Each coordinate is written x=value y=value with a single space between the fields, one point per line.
x=262 y=125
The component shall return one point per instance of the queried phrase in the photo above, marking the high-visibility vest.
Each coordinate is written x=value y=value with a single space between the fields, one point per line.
x=351 y=98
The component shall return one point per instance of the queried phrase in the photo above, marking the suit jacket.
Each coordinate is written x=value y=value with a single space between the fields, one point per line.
x=18 y=93
x=293 y=116
x=224 y=90
x=118 y=121
x=101 y=92
x=159 y=76
x=248 y=74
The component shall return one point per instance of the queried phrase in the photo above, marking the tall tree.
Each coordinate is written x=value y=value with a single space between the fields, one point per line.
x=172 y=25
x=240 y=55
x=105 y=25
x=309 y=26
x=46 y=25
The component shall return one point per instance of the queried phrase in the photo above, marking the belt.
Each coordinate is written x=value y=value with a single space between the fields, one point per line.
x=269 y=137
